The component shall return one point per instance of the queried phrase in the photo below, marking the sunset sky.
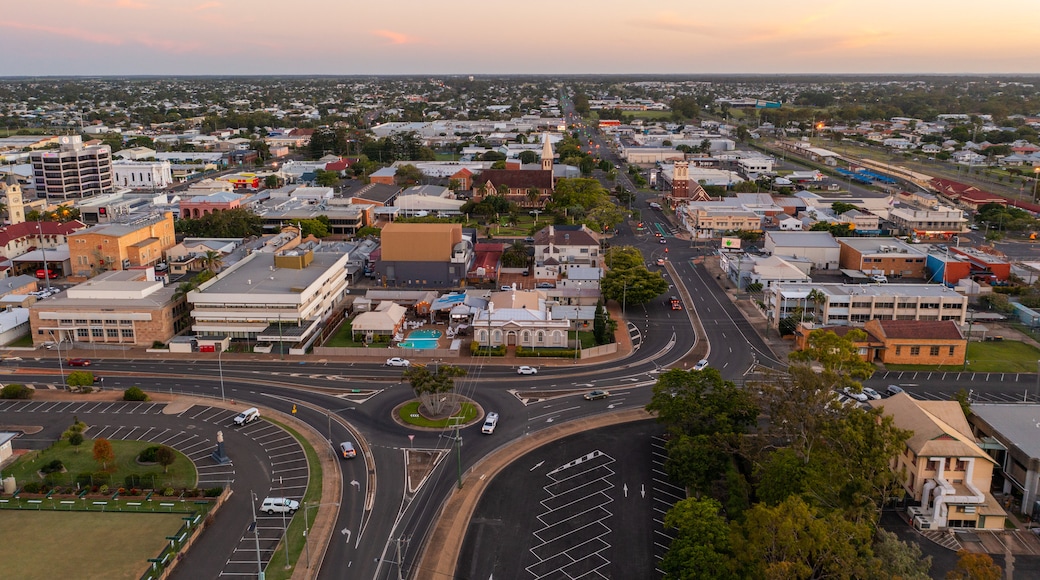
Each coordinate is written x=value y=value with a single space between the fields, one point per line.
x=218 y=37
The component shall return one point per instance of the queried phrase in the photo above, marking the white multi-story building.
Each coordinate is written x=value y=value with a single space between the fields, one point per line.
x=855 y=304
x=143 y=174
x=73 y=171
x=282 y=297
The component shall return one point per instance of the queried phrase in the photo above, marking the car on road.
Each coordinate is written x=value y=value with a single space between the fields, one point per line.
x=398 y=362
x=526 y=370
x=490 y=422
x=347 y=451
x=545 y=285
x=861 y=397
x=893 y=390
x=660 y=261
x=701 y=365
x=597 y=394
x=663 y=241
x=871 y=393
x=78 y=362
x=279 y=505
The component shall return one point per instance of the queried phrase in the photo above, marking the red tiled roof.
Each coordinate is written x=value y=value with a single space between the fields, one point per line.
x=939 y=329
x=517 y=179
x=341 y=165
x=31 y=229
x=463 y=173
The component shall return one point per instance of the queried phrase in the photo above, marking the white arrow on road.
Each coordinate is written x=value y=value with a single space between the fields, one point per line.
x=549 y=420
x=346 y=533
x=537 y=465
x=625 y=487
x=356 y=483
x=642 y=490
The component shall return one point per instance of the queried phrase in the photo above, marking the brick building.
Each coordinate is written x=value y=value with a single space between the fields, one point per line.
x=119 y=246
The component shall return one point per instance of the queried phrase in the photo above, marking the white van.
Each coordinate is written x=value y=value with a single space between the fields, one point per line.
x=279 y=505
x=248 y=416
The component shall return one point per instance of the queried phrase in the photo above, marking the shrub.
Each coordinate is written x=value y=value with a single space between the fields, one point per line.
x=32 y=487
x=148 y=454
x=134 y=394
x=16 y=391
x=103 y=489
x=214 y=491
x=158 y=344
x=545 y=352
x=53 y=466
x=168 y=492
x=98 y=478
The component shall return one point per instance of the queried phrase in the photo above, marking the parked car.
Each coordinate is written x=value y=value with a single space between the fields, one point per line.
x=347 y=451
x=871 y=393
x=78 y=362
x=597 y=394
x=490 y=422
x=861 y=397
x=526 y=370
x=398 y=362
x=894 y=390
x=506 y=288
x=248 y=416
x=545 y=285
x=879 y=278
x=280 y=505
x=701 y=365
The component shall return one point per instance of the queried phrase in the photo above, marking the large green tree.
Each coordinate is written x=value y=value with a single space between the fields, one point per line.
x=636 y=285
x=434 y=388
x=701 y=548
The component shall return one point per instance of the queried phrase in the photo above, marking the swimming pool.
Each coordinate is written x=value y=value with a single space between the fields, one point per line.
x=424 y=339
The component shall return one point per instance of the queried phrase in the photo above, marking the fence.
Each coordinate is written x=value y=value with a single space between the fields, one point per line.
x=601 y=350
x=385 y=352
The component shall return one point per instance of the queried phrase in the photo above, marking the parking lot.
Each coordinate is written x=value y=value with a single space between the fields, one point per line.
x=265 y=460
x=595 y=510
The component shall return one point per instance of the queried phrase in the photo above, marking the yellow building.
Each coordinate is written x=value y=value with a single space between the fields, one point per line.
x=120 y=246
x=943 y=469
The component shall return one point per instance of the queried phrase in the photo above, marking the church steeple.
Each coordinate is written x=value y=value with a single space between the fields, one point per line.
x=547 y=153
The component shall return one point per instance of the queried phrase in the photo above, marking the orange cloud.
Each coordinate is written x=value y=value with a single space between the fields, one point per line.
x=207 y=6
x=394 y=37
x=77 y=33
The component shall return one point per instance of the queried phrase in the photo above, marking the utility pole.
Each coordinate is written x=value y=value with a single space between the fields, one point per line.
x=458 y=451
x=256 y=537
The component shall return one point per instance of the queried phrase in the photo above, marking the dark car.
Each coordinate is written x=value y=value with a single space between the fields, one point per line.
x=597 y=394
x=78 y=362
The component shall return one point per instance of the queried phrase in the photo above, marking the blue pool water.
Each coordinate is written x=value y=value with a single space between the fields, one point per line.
x=424 y=339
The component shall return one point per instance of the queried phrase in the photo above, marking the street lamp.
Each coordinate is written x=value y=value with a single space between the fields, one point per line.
x=1036 y=175
x=256 y=536
x=307 y=527
x=220 y=368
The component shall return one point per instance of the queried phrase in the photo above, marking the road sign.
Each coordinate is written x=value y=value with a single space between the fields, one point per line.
x=294 y=409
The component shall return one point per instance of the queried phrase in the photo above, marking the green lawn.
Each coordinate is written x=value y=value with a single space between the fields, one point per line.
x=344 y=337
x=83 y=544
x=988 y=357
x=409 y=413
x=181 y=474
x=276 y=568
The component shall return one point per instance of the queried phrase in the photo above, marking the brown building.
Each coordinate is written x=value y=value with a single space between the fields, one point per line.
x=925 y=342
x=885 y=256
x=424 y=255
x=515 y=185
x=127 y=307
x=117 y=246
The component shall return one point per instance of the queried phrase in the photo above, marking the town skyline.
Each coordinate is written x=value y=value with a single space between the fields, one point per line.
x=212 y=37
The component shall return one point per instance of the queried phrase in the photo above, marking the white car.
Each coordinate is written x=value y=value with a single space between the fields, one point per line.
x=526 y=370
x=701 y=365
x=490 y=422
x=398 y=362
x=861 y=397
x=280 y=505
x=871 y=393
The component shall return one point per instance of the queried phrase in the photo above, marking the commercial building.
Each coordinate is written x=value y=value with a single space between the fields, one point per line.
x=73 y=171
x=1008 y=433
x=566 y=247
x=424 y=255
x=143 y=174
x=885 y=256
x=820 y=247
x=130 y=307
x=121 y=246
x=931 y=224
x=856 y=304
x=272 y=298
x=942 y=469
x=922 y=342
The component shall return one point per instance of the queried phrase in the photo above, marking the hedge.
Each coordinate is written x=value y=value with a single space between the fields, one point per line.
x=546 y=352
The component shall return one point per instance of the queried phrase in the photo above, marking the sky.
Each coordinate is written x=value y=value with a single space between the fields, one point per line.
x=344 y=37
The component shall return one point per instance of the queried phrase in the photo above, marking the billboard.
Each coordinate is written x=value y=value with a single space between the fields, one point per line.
x=730 y=244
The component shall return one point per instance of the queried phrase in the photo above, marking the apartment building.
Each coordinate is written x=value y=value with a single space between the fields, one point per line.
x=73 y=171
x=924 y=224
x=856 y=304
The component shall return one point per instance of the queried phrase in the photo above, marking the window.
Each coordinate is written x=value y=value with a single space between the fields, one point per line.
x=97 y=332
x=112 y=333
x=899 y=350
x=933 y=351
x=127 y=333
x=915 y=351
x=951 y=351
